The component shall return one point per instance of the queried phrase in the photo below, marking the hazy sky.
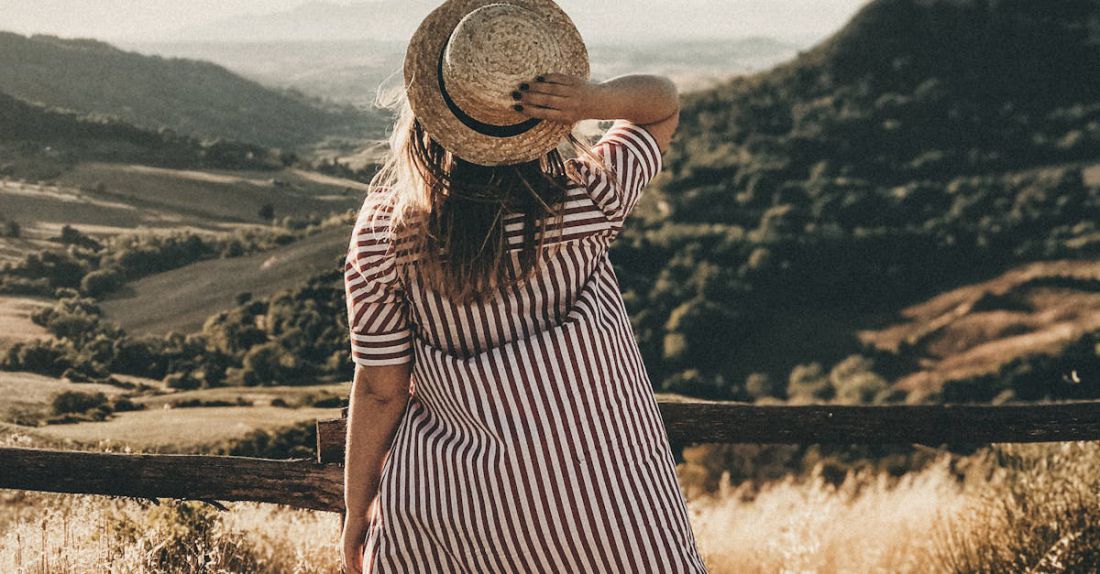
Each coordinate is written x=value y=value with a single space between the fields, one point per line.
x=145 y=20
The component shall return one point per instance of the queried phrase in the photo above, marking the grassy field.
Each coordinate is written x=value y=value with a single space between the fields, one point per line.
x=182 y=299
x=105 y=199
x=15 y=319
x=256 y=395
x=161 y=425
x=975 y=329
x=179 y=429
x=24 y=396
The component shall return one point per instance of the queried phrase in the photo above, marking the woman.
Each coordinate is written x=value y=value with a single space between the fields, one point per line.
x=501 y=418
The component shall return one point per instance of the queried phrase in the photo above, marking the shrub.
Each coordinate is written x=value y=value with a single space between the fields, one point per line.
x=101 y=282
x=77 y=402
x=184 y=381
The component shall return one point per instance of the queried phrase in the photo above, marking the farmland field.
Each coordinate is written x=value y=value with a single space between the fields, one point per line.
x=103 y=199
x=179 y=429
x=182 y=299
x=15 y=319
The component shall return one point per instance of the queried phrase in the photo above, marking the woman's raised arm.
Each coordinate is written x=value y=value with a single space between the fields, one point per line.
x=648 y=100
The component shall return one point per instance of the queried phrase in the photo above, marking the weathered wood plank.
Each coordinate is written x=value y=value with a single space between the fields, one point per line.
x=299 y=483
x=725 y=422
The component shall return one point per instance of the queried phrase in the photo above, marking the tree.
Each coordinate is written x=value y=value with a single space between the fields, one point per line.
x=267 y=212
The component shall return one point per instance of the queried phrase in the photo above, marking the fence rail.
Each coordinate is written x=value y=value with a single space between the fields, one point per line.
x=725 y=422
x=318 y=484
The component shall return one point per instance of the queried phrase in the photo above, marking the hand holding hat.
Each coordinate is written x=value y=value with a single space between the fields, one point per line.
x=468 y=58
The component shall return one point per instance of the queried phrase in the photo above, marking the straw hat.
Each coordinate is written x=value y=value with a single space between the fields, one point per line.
x=466 y=59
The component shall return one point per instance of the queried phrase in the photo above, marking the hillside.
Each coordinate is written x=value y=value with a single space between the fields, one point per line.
x=909 y=89
x=183 y=299
x=928 y=145
x=39 y=143
x=192 y=97
x=105 y=199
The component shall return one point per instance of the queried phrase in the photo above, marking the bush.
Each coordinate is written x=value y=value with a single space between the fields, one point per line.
x=101 y=282
x=124 y=404
x=295 y=441
x=182 y=381
x=77 y=402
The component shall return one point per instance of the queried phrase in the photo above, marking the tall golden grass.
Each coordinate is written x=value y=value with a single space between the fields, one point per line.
x=1006 y=509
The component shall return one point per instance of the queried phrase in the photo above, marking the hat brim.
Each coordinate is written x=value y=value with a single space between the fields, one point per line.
x=422 y=86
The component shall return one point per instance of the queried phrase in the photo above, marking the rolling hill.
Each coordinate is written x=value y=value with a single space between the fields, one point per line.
x=928 y=145
x=191 y=97
x=39 y=143
x=104 y=199
x=181 y=300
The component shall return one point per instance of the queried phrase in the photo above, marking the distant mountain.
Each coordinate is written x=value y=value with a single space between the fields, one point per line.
x=37 y=143
x=191 y=97
x=351 y=70
x=384 y=20
x=607 y=21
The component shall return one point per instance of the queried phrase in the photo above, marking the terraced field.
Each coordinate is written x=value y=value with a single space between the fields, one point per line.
x=103 y=199
x=182 y=299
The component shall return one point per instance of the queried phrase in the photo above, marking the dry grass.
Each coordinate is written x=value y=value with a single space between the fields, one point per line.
x=868 y=524
x=25 y=395
x=15 y=319
x=1018 y=509
x=977 y=328
x=78 y=534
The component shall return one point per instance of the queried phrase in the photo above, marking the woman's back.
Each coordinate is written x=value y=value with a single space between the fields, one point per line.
x=531 y=425
x=390 y=302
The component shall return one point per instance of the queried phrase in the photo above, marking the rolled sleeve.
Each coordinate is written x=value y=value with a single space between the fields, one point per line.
x=377 y=310
x=634 y=159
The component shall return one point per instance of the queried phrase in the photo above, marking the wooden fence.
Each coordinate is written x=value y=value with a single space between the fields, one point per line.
x=318 y=484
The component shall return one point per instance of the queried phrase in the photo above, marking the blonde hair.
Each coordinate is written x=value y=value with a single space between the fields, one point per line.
x=451 y=212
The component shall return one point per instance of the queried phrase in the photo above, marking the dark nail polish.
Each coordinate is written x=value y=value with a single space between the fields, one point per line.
x=524 y=86
x=540 y=79
x=516 y=95
x=518 y=108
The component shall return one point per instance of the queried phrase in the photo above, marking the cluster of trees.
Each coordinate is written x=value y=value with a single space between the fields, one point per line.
x=297 y=337
x=696 y=291
x=98 y=267
x=76 y=406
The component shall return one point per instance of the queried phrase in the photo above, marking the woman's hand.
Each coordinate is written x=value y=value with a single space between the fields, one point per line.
x=560 y=98
x=652 y=102
x=352 y=543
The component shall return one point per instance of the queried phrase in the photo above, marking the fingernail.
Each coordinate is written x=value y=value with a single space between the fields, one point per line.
x=524 y=86
x=516 y=95
x=518 y=108
x=540 y=79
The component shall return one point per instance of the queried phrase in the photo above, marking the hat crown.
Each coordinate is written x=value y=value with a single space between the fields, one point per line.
x=465 y=60
x=492 y=50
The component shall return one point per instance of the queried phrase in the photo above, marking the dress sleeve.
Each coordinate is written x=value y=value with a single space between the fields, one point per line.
x=377 y=309
x=634 y=158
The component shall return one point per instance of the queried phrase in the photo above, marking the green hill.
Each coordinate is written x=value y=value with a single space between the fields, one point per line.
x=183 y=299
x=909 y=89
x=191 y=97
x=927 y=145
x=39 y=143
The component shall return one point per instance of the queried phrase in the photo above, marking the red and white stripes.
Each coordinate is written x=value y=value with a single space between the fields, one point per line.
x=532 y=441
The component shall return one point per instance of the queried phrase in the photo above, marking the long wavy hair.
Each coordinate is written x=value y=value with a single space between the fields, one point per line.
x=451 y=213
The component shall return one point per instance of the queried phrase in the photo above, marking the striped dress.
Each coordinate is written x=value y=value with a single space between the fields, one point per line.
x=531 y=441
